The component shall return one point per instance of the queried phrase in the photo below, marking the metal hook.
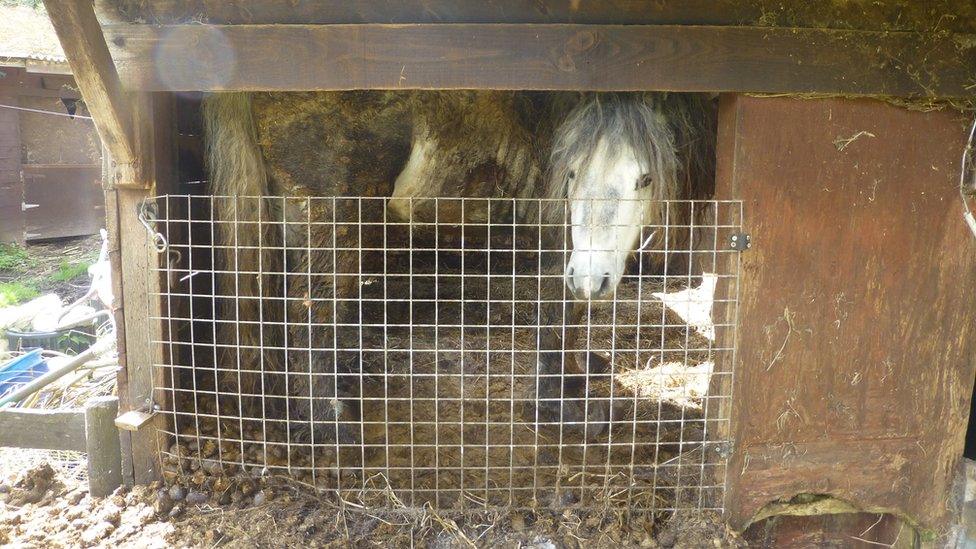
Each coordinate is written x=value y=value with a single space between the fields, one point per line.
x=147 y=216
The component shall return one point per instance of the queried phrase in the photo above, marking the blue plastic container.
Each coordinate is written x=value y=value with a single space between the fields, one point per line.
x=22 y=369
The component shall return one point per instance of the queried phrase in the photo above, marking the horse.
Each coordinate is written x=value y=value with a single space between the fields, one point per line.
x=273 y=154
x=600 y=162
x=619 y=165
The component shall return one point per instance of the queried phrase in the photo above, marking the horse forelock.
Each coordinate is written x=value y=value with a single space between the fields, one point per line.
x=639 y=122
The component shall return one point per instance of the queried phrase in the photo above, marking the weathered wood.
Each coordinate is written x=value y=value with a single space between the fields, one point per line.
x=853 y=530
x=68 y=200
x=890 y=15
x=102 y=445
x=20 y=82
x=84 y=46
x=856 y=344
x=43 y=429
x=545 y=57
x=138 y=378
x=11 y=183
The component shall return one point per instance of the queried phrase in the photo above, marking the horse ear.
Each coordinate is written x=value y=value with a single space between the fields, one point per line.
x=644 y=180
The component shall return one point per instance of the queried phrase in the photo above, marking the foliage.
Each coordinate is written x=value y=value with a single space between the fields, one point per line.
x=12 y=293
x=69 y=271
x=13 y=258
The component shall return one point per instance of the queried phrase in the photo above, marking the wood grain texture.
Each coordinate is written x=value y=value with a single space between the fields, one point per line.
x=539 y=56
x=84 y=46
x=102 y=446
x=855 y=360
x=43 y=429
x=849 y=530
x=890 y=15
x=153 y=122
x=11 y=184
x=17 y=81
x=68 y=197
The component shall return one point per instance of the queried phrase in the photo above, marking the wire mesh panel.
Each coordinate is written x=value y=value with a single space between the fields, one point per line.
x=451 y=353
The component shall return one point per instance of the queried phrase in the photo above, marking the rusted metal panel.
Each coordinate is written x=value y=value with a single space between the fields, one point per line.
x=65 y=200
x=11 y=185
x=856 y=350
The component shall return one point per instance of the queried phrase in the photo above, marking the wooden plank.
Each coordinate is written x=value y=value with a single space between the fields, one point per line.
x=69 y=201
x=43 y=429
x=84 y=45
x=17 y=81
x=855 y=360
x=545 y=57
x=102 y=446
x=139 y=378
x=11 y=184
x=890 y=15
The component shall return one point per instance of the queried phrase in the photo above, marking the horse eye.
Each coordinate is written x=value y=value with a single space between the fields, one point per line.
x=644 y=181
x=572 y=174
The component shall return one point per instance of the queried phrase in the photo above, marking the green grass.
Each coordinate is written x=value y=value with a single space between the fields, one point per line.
x=69 y=271
x=12 y=293
x=13 y=258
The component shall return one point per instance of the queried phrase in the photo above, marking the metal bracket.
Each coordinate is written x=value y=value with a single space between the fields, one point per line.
x=724 y=449
x=134 y=420
x=740 y=242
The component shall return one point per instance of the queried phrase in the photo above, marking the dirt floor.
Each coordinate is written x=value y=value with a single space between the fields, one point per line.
x=41 y=508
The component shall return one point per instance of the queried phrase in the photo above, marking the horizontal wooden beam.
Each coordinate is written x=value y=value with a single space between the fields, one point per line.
x=890 y=15
x=43 y=429
x=544 y=57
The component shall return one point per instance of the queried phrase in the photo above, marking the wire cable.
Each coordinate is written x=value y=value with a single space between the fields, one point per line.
x=45 y=112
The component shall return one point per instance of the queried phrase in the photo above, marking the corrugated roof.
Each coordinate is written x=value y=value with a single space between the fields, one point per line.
x=26 y=33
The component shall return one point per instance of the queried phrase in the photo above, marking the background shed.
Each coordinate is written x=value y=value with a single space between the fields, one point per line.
x=50 y=164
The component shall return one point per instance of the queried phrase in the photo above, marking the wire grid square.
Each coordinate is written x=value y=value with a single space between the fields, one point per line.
x=441 y=360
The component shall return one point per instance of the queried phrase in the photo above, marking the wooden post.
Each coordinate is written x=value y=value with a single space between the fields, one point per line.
x=102 y=445
x=856 y=342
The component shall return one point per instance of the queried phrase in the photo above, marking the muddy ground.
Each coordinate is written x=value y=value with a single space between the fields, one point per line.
x=41 y=508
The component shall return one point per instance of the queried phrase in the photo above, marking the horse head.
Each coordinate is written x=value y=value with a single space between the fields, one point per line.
x=619 y=160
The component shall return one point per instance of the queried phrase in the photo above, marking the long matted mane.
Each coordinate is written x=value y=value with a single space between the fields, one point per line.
x=672 y=135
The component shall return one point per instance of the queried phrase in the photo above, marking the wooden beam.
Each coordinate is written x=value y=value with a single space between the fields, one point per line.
x=43 y=429
x=83 y=44
x=545 y=57
x=890 y=15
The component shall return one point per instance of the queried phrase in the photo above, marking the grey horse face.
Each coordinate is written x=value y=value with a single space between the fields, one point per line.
x=607 y=202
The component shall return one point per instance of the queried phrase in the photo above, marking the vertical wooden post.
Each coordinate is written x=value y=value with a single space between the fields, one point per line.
x=857 y=346
x=136 y=259
x=102 y=446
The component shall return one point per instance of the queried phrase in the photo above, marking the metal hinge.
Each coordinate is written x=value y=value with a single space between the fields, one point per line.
x=25 y=206
x=740 y=241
